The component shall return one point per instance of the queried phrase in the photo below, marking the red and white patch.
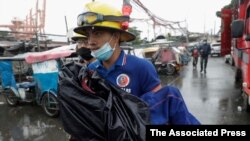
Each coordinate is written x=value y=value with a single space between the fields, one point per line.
x=122 y=80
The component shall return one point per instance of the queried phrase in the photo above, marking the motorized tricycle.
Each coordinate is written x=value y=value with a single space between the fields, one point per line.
x=164 y=60
x=33 y=77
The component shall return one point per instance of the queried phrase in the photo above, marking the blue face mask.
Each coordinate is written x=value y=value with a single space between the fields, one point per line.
x=103 y=53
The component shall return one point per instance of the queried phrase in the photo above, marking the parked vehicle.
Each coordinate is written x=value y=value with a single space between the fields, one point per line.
x=165 y=61
x=215 y=49
x=236 y=22
x=39 y=84
x=128 y=50
x=184 y=55
x=149 y=52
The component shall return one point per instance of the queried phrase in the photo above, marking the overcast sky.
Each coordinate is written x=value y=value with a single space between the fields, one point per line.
x=199 y=14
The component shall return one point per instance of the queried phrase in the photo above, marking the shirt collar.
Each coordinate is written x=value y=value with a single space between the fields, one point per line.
x=121 y=61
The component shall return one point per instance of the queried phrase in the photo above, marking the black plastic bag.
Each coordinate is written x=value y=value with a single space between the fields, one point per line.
x=109 y=114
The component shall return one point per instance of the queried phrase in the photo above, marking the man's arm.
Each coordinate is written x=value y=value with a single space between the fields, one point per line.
x=168 y=107
x=148 y=76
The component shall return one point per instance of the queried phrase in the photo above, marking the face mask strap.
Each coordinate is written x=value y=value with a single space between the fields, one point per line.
x=115 y=43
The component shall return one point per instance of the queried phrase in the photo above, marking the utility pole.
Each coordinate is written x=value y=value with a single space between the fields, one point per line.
x=187 y=33
x=211 y=35
x=148 y=30
x=204 y=33
x=37 y=38
x=66 y=23
x=214 y=26
x=154 y=30
x=45 y=43
x=37 y=42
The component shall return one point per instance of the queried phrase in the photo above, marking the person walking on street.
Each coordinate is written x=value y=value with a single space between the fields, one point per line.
x=205 y=50
x=195 y=54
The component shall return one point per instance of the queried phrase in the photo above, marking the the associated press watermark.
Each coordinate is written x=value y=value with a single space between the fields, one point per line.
x=197 y=131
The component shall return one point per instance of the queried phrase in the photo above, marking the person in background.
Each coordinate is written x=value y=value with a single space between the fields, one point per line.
x=82 y=50
x=205 y=50
x=195 y=54
x=84 y=54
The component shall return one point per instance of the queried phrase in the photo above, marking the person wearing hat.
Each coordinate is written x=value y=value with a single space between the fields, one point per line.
x=102 y=25
x=82 y=50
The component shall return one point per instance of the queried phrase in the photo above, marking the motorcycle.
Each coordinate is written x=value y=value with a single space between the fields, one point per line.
x=168 y=68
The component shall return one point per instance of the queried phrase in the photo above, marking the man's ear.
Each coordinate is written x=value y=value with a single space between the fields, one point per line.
x=117 y=36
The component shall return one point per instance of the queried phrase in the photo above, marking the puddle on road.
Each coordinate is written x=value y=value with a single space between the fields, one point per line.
x=28 y=122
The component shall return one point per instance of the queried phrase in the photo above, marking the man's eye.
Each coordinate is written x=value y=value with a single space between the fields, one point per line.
x=98 y=33
x=82 y=41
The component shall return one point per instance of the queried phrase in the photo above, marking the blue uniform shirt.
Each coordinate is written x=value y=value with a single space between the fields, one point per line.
x=138 y=77
x=168 y=107
x=91 y=66
x=134 y=75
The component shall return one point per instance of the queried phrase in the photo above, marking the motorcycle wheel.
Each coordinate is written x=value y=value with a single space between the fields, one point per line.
x=170 y=69
x=50 y=105
x=11 y=98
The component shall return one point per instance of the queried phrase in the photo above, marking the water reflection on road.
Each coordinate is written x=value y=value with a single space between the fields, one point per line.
x=212 y=97
x=29 y=123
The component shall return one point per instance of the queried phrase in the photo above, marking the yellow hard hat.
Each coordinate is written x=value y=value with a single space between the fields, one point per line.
x=77 y=36
x=100 y=15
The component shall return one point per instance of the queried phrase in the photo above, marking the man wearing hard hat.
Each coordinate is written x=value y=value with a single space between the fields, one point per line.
x=102 y=25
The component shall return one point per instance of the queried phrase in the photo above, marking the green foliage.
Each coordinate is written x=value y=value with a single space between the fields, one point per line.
x=137 y=33
x=218 y=14
x=229 y=6
x=3 y=33
x=168 y=36
x=180 y=38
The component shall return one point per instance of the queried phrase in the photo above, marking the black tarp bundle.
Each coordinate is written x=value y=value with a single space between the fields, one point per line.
x=108 y=115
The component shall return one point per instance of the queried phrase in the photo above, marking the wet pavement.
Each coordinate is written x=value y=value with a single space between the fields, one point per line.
x=28 y=122
x=211 y=97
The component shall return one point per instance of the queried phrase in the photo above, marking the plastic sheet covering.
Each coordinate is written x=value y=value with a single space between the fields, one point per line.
x=108 y=114
x=7 y=76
